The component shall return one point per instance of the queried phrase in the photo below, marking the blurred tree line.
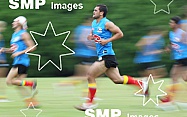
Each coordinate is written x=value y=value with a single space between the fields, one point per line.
x=134 y=17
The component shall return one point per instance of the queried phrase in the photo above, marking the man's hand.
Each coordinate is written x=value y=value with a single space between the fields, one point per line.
x=16 y=54
x=167 y=50
x=103 y=41
x=90 y=37
x=1 y=50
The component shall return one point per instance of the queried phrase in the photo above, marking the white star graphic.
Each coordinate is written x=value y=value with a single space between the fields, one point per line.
x=168 y=11
x=32 y=106
x=150 y=99
x=63 y=44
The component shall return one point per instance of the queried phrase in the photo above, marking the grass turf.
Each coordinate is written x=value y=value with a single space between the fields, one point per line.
x=59 y=101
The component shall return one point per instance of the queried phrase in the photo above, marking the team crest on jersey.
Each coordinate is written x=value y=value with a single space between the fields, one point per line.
x=14 y=47
x=99 y=29
x=175 y=46
x=16 y=39
x=97 y=38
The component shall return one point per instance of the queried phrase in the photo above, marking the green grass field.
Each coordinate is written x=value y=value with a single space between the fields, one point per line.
x=59 y=101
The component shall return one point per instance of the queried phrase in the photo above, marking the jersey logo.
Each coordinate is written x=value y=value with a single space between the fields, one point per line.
x=97 y=38
x=104 y=51
x=99 y=30
x=175 y=46
x=14 y=47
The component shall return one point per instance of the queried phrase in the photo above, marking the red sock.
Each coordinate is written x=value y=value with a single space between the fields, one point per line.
x=27 y=83
x=92 y=91
x=92 y=94
x=131 y=80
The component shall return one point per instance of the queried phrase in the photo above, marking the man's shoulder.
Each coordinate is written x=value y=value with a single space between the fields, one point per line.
x=106 y=20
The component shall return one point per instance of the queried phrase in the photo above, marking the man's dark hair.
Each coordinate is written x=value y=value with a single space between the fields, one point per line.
x=176 y=19
x=103 y=8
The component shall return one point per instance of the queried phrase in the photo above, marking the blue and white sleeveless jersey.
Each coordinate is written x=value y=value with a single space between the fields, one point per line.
x=183 y=21
x=179 y=49
x=82 y=49
x=183 y=24
x=17 y=45
x=143 y=57
x=99 y=32
x=2 y=55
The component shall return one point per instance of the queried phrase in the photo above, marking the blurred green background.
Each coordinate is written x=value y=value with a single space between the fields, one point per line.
x=134 y=17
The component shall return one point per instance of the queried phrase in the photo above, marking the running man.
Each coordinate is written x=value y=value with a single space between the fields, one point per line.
x=21 y=43
x=178 y=39
x=104 y=32
x=149 y=54
x=183 y=21
x=3 y=65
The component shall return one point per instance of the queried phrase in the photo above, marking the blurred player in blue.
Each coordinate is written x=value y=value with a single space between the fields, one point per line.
x=148 y=57
x=21 y=43
x=85 y=50
x=104 y=32
x=183 y=21
x=178 y=47
x=3 y=64
x=2 y=42
x=85 y=53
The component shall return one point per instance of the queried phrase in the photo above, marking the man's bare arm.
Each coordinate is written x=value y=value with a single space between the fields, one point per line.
x=115 y=30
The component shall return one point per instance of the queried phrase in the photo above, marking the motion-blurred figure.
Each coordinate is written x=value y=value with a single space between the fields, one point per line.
x=85 y=50
x=178 y=47
x=183 y=21
x=3 y=64
x=85 y=53
x=21 y=43
x=148 y=56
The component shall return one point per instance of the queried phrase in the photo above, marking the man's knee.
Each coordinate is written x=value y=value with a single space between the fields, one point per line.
x=90 y=77
x=185 y=78
x=174 y=77
x=9 y=82
x=173 y=74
